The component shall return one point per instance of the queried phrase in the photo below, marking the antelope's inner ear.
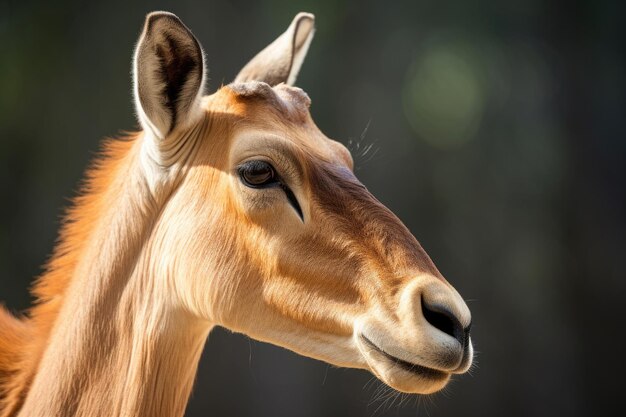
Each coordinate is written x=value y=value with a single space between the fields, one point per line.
x=168 y=73
x=280 y=62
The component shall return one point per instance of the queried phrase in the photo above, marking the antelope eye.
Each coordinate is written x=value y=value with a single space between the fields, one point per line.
x=257 y=174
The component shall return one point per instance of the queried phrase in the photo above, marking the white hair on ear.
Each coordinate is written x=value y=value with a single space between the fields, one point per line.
x=302 y=40
x=168 y=74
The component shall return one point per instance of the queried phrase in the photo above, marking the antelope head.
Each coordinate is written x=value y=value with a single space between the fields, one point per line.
x=264 y=229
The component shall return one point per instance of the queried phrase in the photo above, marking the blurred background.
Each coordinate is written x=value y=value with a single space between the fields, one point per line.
x=494 y=129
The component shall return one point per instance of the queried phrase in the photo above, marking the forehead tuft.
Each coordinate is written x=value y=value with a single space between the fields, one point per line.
x=253 y=89
x=289 y=101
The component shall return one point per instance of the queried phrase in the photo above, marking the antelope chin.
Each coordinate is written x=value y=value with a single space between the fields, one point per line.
x=399 y=374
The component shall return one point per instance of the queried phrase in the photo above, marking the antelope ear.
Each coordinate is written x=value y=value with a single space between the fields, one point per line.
x=280 y=62
x=168 y=74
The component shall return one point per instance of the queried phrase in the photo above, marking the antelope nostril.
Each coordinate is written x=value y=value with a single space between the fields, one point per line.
x=442 y=318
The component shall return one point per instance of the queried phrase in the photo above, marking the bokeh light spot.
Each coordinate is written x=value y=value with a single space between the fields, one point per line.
x=443 y=97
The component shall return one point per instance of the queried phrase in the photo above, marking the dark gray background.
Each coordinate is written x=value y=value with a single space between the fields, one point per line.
x=497 y=133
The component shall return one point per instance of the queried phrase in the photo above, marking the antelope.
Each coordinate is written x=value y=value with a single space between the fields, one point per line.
x=231 y=209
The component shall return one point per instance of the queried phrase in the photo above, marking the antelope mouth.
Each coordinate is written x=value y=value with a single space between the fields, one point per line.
x=419 y=370
x=400 y=374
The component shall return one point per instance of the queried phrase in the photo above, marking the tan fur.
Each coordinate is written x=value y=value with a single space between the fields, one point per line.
x=152 y=256
x=24 y=341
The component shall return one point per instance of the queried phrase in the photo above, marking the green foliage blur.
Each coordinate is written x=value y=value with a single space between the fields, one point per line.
x=495 y=130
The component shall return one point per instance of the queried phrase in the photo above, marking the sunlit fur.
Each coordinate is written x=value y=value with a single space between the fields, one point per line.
x=158 y=250
x=138 y=280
